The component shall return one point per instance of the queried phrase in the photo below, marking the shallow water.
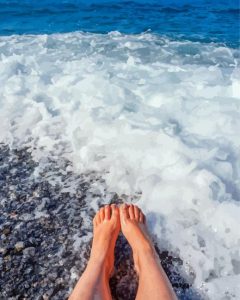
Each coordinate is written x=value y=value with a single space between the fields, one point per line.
x=46 y=231
x=155 y=116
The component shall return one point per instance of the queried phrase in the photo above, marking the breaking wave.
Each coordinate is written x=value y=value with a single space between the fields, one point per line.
x=157 y=118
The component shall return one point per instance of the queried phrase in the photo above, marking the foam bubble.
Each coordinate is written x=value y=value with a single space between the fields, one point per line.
x=156 y=117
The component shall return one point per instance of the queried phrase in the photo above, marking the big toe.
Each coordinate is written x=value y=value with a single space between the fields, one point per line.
x=124 y=213
x=115 y=215
x=107 y=212
x=114 y=211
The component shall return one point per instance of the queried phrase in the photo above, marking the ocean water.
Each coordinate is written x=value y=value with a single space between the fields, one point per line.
x=146 y=94
x=199 y=20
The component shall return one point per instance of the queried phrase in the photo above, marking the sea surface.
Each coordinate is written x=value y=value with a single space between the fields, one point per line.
x=103 y=102
x=199 y=20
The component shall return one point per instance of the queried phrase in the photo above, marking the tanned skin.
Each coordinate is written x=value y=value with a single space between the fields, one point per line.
x=107 y=223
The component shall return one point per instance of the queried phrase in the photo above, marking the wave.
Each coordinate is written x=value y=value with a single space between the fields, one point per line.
x=129 y=17
x=158 y=118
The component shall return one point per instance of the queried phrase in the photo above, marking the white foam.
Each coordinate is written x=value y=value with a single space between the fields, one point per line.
x=154 y=116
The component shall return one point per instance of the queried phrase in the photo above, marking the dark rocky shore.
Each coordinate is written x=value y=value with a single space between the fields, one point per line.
x=46 y=230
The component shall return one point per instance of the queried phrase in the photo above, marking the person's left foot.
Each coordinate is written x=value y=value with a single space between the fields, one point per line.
x=106 y=227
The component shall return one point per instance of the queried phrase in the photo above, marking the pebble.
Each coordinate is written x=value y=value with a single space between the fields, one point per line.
x=3 y=250
x=6 y=231
x=42 y=227
x=19 y=246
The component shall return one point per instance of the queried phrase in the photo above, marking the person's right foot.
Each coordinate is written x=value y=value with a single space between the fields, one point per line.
x=133 y=225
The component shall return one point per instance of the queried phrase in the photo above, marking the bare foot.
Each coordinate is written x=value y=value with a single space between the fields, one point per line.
x=106 y=227
x=133 y=225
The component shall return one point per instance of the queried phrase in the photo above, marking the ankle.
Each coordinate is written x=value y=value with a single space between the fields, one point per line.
x=100 y=266
x=143 y=246
x=143 y=256
x=96 y=260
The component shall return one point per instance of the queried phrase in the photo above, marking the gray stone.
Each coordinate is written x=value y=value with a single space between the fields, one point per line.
x=3 y=250
x=30 y=251
x=19 y=246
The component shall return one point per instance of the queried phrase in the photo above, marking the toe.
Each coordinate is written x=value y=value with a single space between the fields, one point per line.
x=97 y=218
x=95 y=221
x=131 y=212
x=107 y=212
x=141 y=217
x=102 y=214
x=136 y=213
x=124 y=211
x=115 y=211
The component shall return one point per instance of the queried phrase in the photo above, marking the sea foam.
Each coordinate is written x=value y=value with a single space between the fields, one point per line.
x=158 y=118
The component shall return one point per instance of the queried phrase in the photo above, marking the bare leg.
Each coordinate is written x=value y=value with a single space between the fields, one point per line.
x=153 y=282
x=94 y=282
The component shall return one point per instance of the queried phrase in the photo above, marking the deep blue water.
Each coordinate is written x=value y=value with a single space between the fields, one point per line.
x=204 y=20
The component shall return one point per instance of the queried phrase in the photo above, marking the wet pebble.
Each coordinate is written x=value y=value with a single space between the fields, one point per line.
x=30 y=251
x=19 y=246
x=46 y=230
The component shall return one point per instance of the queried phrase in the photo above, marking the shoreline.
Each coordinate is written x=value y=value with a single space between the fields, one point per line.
x=46 y=232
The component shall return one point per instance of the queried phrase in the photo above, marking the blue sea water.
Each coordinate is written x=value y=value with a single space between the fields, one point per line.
x=146 y=95
x=203 y=20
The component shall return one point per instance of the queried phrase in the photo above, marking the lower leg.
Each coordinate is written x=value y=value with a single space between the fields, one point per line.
x=94 y=282
x=153 y=282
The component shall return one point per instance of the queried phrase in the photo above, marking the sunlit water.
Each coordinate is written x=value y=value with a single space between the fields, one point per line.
x=157 y=114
